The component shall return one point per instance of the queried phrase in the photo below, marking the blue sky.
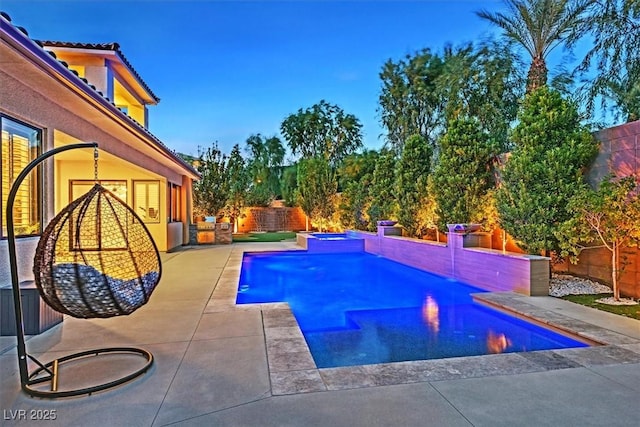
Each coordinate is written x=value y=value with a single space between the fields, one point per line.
x=225 y=70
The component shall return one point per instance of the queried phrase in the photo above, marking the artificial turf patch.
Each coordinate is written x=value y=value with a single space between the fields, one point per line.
x=632 y=311
x=277 y=236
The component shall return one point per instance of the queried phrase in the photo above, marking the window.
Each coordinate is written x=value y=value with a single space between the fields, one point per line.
x=146 y=200
x=175 y=203
x=20 y=145
x=80 y=187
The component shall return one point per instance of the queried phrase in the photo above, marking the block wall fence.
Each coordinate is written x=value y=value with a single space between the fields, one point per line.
x=620 y=155
x=272 y=219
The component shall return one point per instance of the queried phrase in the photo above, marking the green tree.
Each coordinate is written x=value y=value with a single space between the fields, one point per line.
x=323 y=130
x=464 y=173
x=624 y=92
x=264 y=166
x=316 y=189
x=412 y=173
x=423 y=91
x=289 y=184
x=539 y=26
x=408 y=102
x=544 y=172
x=355 y=176
x=238 y=185
x=614 y=26
x=609 y=216
x=381 y=192
x=483 y=82
x=322 y=135
x=211 y=192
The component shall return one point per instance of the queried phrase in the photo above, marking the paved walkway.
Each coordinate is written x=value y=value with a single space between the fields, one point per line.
x=218 y=364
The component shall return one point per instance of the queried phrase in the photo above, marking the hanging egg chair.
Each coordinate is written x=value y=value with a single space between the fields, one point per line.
x=96 y=258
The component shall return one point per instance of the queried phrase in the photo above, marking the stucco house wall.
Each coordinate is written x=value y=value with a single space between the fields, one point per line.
x=40 y=91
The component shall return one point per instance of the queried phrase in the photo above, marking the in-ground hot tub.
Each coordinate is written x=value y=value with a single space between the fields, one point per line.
x=330 y=242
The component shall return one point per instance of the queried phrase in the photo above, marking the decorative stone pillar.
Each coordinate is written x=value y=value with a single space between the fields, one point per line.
x=223 y=233
x=387 y=228
x=193 y=234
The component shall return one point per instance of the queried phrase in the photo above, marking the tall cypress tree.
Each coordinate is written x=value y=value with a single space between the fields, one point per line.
x=464 y=172
x=237 y=186
x=211 y=191
x=412 y=174
x=381 y=192
x=544 y=171
x=356 y=174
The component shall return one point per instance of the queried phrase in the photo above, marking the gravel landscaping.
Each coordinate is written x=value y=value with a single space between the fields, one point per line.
x=561 y=285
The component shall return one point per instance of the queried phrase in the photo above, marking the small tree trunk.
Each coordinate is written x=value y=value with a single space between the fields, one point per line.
x=504 y=241
x=614 y=271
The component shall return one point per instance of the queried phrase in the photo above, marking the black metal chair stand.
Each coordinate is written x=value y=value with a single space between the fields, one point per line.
x=49 y=372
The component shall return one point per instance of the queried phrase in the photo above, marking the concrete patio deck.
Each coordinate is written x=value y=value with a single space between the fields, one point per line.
x=226 y=365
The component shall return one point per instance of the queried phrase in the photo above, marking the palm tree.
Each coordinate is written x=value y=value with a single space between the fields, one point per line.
x=540 y=26
x=614 y=26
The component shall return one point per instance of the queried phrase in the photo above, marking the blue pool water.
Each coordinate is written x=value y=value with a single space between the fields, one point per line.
x=330 y=236
x=357 y=308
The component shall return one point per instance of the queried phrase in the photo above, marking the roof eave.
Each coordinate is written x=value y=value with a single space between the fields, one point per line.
x=35 y=53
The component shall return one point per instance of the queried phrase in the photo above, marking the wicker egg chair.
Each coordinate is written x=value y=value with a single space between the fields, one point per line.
x=96 y=258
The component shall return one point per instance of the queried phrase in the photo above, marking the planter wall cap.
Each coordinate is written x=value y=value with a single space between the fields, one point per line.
x=464 y=228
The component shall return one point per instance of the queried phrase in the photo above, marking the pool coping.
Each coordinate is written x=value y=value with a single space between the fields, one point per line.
x=292 y=369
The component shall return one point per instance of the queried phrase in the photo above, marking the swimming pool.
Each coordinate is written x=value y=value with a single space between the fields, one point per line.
x=357 y=308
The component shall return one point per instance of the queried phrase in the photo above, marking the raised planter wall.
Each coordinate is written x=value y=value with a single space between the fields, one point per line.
x=499 y=272
x=485 y=268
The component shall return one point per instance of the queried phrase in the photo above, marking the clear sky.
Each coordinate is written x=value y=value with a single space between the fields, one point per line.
x=225 y=70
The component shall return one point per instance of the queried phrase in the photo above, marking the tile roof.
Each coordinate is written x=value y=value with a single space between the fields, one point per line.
x=135 y=123
x=115 y=47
